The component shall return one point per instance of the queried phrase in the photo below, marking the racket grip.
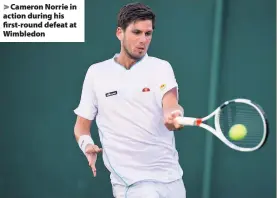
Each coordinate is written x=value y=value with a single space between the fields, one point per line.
x=186 y=121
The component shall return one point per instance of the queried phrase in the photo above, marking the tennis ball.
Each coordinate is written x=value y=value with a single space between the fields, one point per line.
x=237 y=132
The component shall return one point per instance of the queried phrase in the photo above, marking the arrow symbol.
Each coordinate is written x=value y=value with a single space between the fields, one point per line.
x=6 y=7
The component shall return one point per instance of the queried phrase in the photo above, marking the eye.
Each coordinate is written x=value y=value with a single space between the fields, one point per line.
x=136 y=32
x=148 y=33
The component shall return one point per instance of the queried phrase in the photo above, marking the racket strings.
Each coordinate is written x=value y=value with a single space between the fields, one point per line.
x=246 y=115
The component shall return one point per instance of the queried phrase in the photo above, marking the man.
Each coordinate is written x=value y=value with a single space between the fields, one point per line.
x=134 y=99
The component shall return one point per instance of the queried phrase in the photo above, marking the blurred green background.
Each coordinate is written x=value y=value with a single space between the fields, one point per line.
x=41 y=85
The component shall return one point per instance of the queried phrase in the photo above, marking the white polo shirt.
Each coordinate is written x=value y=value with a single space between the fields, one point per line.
x=127 y=105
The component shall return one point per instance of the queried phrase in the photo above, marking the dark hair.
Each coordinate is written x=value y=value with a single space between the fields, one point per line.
x=133 y=12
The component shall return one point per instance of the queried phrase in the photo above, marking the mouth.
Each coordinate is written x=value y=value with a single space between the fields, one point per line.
x=141 y=48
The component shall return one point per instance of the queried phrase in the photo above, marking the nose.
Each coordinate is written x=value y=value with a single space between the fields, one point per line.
x=143 y=38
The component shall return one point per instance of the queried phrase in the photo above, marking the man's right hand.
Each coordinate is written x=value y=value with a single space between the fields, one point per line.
x=91 y=154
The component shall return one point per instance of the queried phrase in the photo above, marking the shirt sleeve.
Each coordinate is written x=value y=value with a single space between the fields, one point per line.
x=167 y=80
x=87 y=107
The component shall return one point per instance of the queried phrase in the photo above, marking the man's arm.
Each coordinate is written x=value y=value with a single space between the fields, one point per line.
x=82 y=133
x=86 y=112
x=85 y=142
x=170 y=101
x=172 y=109
x=82 y=127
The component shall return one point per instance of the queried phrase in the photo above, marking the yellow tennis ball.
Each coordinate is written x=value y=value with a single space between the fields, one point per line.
x=237 y=132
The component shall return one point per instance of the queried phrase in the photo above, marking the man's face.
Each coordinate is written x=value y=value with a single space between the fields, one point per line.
x=136 y=38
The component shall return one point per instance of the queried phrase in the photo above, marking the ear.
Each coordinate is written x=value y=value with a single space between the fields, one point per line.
x=119 y=33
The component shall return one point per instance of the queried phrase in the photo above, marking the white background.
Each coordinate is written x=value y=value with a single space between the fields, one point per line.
x=51 y=34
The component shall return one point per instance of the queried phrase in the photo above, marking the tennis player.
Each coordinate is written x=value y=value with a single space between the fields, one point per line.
x=133 y=98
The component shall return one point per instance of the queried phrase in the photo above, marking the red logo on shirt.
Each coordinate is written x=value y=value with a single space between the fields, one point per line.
x=145 y=89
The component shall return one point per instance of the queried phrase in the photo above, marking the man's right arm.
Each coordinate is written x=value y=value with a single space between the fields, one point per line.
x=82 y=133
x=86 y=111
x=82 y=127
x=85 y=142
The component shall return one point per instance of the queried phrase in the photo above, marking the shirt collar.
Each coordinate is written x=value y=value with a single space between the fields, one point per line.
x=143 y=58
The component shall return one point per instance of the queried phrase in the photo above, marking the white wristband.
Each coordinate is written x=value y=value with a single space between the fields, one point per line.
x=83 y=141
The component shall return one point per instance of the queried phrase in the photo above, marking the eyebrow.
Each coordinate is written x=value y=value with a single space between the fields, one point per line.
x=137 y=30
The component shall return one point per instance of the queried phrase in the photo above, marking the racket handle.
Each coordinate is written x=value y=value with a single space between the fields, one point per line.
x=186 y=121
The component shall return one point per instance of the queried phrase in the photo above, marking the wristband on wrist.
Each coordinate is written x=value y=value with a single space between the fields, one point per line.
x=83 y=141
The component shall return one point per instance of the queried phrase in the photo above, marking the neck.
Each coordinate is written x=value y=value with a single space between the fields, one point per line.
x=125 y=60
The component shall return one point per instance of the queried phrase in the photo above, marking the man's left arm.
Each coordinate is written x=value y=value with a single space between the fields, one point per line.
x=172 y=109
x=169 y=96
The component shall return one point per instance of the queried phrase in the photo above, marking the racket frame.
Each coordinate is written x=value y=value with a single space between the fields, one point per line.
x=190 y=121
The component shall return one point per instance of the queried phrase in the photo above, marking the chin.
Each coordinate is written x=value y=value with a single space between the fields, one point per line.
x=137 y=56
x=140 y=55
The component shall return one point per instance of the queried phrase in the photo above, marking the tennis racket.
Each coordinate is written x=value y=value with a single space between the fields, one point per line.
x=241 y=112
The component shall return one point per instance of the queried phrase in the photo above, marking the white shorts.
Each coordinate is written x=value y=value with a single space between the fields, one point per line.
x=149 y=189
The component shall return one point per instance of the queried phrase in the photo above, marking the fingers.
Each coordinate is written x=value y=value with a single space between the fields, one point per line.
x=170 y=118
x=96 y=149
x=93 y=149
x=93 y=168
x=171 y=123
x=178 y=126
x=91 y=154
x=175 y=114
x=92 y=161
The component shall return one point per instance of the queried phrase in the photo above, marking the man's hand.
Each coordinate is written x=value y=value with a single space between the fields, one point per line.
x=91 y=154
x=170 y=121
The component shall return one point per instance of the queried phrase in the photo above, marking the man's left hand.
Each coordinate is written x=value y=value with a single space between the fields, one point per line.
x=171 y=123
